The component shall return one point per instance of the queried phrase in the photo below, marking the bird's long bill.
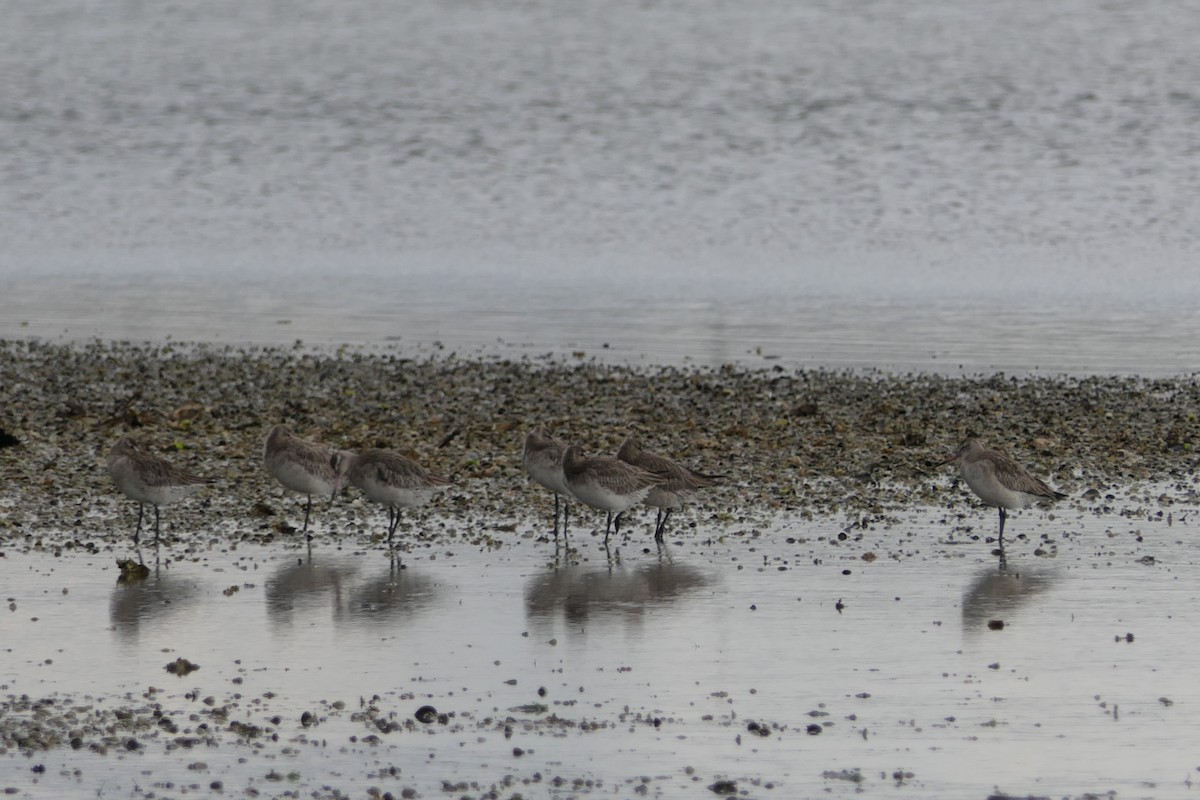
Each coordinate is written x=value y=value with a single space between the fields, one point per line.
x=337 y=486
x=947 y=458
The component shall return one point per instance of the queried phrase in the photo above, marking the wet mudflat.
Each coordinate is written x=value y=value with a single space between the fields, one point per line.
x=793 y=658
x=661 y=671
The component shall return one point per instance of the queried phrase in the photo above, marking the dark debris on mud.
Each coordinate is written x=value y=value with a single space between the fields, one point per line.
x=196 y=728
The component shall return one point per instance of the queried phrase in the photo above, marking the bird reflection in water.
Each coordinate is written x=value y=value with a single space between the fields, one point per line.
x=308 y=584
x=397 y=592
x=146 y=595
x=583 y=593
x=611 y=554
x=305 y=584
x=997 y=593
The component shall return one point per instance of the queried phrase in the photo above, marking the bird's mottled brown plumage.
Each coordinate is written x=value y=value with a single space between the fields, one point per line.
x=390 y=479
x=606 y=483
x=677 y=480
x=300 y=465
x=676 y=477
x=542 y=458
x=149 y=479
x=998 y=480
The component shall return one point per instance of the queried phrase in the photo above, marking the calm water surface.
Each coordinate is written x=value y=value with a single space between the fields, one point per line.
x=706 y=636
x=935 y=186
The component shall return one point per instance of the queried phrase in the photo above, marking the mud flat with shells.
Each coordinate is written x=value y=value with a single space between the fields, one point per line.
x=831 y=619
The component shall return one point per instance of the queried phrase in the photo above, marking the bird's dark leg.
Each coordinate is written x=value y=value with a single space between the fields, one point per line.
x=156 y=526
x=137 y=532
x=393 y=521
x=662 y=526
x=556 y=516
x=657 y=522
x=307 y=510
x=1003 y=516
x=566 y=511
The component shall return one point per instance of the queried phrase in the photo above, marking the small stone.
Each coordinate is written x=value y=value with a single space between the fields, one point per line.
x=181 y=666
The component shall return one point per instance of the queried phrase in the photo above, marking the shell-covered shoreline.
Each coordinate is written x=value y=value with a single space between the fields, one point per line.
x=819 y=442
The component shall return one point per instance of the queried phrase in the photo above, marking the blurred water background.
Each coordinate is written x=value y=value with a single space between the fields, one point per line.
x=946 y=186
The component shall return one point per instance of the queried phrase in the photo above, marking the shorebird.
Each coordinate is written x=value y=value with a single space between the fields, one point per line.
x=302 y=466
x=148 y=479
x=542 y=459
x=606 y=483
x=677 y=481
x=391 y=479
x=998 y=480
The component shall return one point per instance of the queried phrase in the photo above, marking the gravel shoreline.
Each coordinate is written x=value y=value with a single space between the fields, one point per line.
x=813 y=442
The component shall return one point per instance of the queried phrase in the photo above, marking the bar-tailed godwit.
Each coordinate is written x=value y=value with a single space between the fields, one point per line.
x=148 y=479
x=998 y=480
x=542 y=459
x=677 y=481
x=606 y=483
x=300 y=465
x=390 y=479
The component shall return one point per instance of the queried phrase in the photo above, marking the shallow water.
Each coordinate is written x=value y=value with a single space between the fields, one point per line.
x=912 y=689
x=934 y=186
x=507 y=318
